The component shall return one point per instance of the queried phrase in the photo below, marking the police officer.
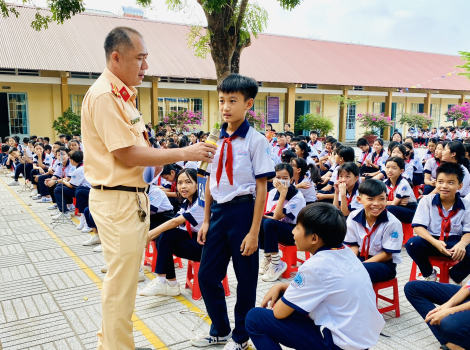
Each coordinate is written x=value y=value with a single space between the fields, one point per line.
x=116 y=155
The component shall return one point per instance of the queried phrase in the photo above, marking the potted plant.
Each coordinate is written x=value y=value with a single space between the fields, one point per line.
x=458 y=112
x=315 y=121
x=416 y=119
x=67 y=123
x=181 y=120
x=256 y=120
x=373 y=122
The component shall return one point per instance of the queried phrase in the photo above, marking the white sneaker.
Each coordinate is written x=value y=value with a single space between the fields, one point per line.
x=156 y=287
x=141 y=275
x=55 y=212
x=71 y=207
x=98 y=249
x=81 y=225
x=231 y=345
x=45 y=200
x=21 y=175
x=66 y=215
x=95 y=239
x=12 y=174
x=34 y=193
x=36 y=197
x=432 y=277
x=104 y=269
x=204 y=340
x=264 y=265
x=86 y=229
x=14 y=183
x=52 y=207
x=274 y=272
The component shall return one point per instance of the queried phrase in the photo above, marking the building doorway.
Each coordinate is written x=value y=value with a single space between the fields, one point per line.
x=14 y=119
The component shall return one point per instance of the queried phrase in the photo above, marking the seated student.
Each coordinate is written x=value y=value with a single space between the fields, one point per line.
x=278 y=221
x=450 y=321
x=4 y=155
x=168 y=183
x=161 y=209
x=39 y=166
x=302 y=150
x=374 y=234
x=397 y=137
x=280 y=148
x=401 y=200
x=401 y=152
x=305 y=176
x=38 y=179
x=287 y=156
x=364 y=146
x=343 y=155
x=177 y=236
x=415 y=162
x=444 y=135
x=409 y=140
x=375 y=160
x=314 y=143
x=346 y=189
x=331 y=288
x=453 y=134
x=13 y=159
x=325 y=154
x=431 y=144
x=442 y=223
x=24 y=168
x=74 y=145
x=430 y=168
x=82 y=194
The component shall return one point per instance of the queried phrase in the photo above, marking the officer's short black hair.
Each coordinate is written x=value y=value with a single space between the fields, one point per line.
x=118 y=40
x=247 y=86
x=372 y=188
x=324 y=220
x=449 y=168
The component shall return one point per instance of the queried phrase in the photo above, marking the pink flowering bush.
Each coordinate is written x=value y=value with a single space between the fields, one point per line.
x=182 y=120
x=416 y=119
x=257 y=120
x=458 y=112
x=373 y=122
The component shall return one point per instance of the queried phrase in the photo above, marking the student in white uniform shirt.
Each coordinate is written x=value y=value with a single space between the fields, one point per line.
x=346 y=188
x=281 y=147
x=282 y=207
x=305 y=177
x=431 y=144
x=302 y=150
x=415 y=162
x=314 y=143
x=161 y=209
x=401 y=152
x=431 y=166
x=442 y=223
x=375 y=160
x=374 y=234
x=331 y=288
x=177 y=236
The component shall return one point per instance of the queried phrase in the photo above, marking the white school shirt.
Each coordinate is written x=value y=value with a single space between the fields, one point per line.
x=427 y=215
x=403 y=190
x=334 y=176
x=290 y=208
x=191 y=165
x=159 y=199
x=428 y=155
x=310 y=193
x=388 y=237
x=408 y=173
x=69 y=169
x=324 y=153
x=379 y=159
x=364 y=155
x=28 y=153
x=277 y=152
x=46 y=159
x=251 y=161
x=317 y=145
x=354 y=205
x=78 y=177
x=417 y=164
x=335 y=291
x=194 y=214
x=466 y=182
x=313 y=152
x=430 y=167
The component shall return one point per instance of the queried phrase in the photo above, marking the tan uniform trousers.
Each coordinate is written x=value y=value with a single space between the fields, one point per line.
x=123 y=237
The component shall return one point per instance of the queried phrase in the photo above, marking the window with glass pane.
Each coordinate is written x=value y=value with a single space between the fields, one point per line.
x=351 y=118
x=315 y=107
x=196 y=104
x=18 y=114
x=77 y=103
x=259 y=106
x=168 y=104
x=414 y=107
x=377 y=107
x=435 y=114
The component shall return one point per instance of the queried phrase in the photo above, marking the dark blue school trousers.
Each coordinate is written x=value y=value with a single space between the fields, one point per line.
x=420 y=250
x=24 y=169
x=380 y=271
x=43 y=190
x=89 y=219
x=229 y=225
x=428 y=189
x=403 y=213
x=157 y=219
x=418 y=179
x=178 y=242
x=424 y=296
x=82 y=193
x=62 y=199
x=296 y=331
x=274 y=231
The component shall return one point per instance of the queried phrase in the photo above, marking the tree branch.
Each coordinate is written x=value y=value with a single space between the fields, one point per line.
x=241 y=15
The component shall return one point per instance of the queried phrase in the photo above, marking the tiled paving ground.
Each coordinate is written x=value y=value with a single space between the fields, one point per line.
x=50 y=296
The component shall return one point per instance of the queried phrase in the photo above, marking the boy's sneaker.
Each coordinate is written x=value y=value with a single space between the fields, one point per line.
x=36 y=197
x=95 y=239
x=34 y=193
x=98 y=249
x=53 y=206
x=204 y=340
x=264 y=265
x=14 y=183
x=274 y=272
x=141 y=275
x=231 y=345
x=45 y=200
x=66 y=215
x=86 y=229
x=156 y=287
x=71 y=207
x=55 y=212
x=432 y=277
x=81 y=225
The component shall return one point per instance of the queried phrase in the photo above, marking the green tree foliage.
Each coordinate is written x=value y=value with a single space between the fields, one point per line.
x=68 y=123
x=465 y=56
x=315 y=121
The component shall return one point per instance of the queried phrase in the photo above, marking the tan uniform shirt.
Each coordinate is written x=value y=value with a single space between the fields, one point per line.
x=109 y=122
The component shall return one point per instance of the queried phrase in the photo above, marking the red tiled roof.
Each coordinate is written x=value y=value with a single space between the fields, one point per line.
x=77 y=45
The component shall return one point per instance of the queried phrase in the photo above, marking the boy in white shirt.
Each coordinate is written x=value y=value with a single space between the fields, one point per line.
x=375 y=235
x=330 y=290
x=314 y=143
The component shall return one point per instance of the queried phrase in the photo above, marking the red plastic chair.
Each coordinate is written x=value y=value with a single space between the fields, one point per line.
x=151 y=256
x=192 y=280
x=395 y=302
x=443 y=263
x=407 y=232
x=289 y=256
x=416 y=190
x=75 y=205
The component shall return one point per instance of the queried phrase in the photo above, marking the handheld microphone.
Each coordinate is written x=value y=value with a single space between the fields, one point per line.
x=212 y=138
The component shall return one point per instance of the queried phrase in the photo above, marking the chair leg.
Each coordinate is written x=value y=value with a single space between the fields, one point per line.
x=413 y=272
x=395 y=299
x=196 y=290
x=226 y=286
x=444 y=278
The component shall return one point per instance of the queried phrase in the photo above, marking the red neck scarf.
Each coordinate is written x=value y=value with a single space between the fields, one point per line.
x=391 y=193
x=280 y=150
x=228 y=162
x=189 y=229
x=366 y=242
x=446 y=223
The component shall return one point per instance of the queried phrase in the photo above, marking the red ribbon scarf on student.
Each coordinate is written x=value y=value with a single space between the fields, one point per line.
x=189 y=229
x=280 y=150
x=364 y=159
x=446 y=223
x=228 y=161
x=391 y=193
x=366 y=242
x=349 y=200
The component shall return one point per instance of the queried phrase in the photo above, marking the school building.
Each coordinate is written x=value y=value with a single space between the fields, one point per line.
x=44 y=73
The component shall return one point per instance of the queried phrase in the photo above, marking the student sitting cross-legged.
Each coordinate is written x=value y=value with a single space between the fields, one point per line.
x=346 y=189
x=177 y=236
x=331 y=290
x=374 y=234
x=282 y=207
x=442 y=223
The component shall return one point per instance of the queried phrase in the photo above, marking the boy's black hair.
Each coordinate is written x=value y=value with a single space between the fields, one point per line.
x=285 y=166
x=287 y=124
x=33 y=137
x=324 y=220
x=47 y=147
x=17 y=138
x=313 y=132
x=13 y=149
x=449 y=168
x=59 y=143
x=158 y=134
x=61 y=135
x=295 y=139
x=167 y=169
x=349 y=167
x=25 y=139
x=248 y=87
x=287 y=156
x=372 y=187
x=347 y=153
x=78 y=134
x=68 y=137
x=46 y=138
x=302 y=138
x=399 y=161
x=331 y=140
x=76 y=156
x=172 y=145
x=60 y=148
x=281 y=134
x=362 y=142
x=5 y=148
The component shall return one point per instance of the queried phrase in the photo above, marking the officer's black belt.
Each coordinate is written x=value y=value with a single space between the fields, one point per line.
x=120 y=188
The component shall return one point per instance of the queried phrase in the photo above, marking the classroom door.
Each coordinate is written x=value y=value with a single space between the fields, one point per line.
x=4 y=120
x=301 y=108
x=14 y=115
x=351 y=123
